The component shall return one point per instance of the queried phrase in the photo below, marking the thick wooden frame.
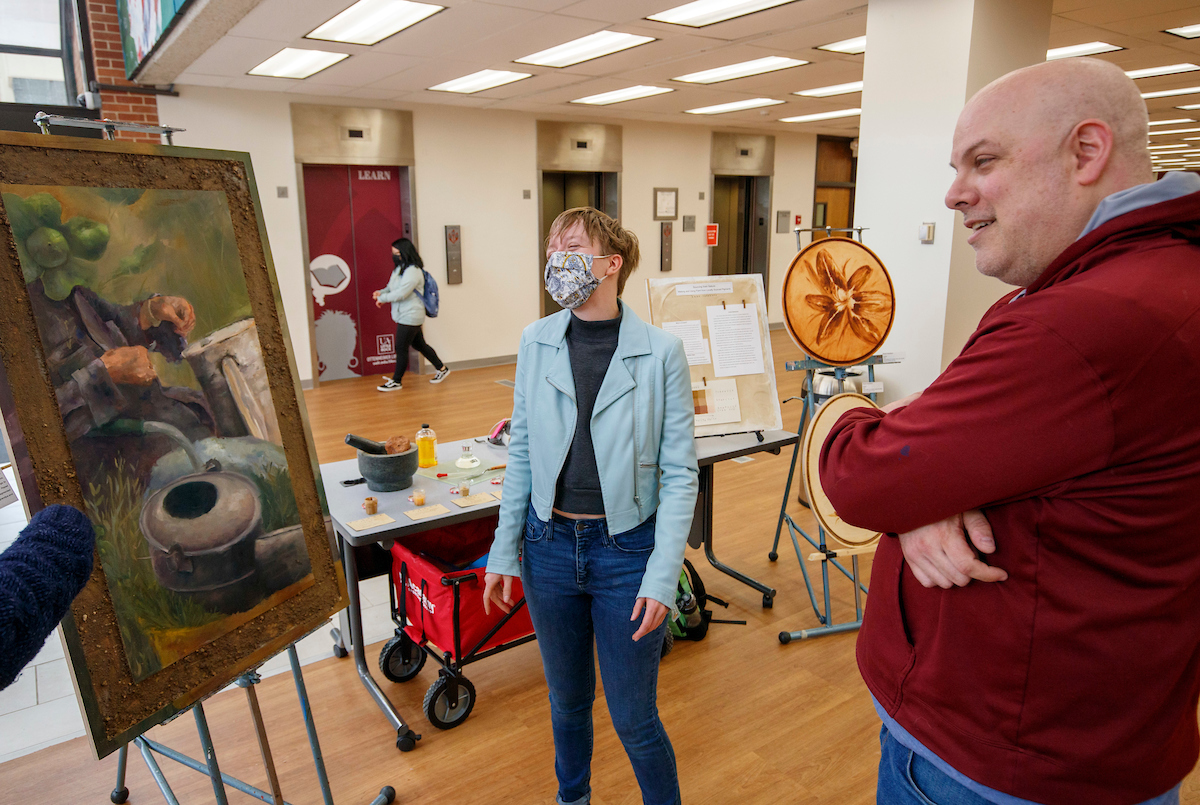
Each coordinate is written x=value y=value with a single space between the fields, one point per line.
x=117 y=708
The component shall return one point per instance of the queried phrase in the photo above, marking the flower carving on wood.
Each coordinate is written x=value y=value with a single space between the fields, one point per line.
x=844 y=302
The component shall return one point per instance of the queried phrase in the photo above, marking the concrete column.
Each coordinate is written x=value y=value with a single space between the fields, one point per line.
x=924 y=59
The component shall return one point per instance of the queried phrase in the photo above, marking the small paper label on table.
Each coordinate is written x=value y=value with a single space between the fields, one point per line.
x=499 y=493
x=426 y=512
x=474 y=500
x=374 y=521
x=872 y=387
x=7 y=495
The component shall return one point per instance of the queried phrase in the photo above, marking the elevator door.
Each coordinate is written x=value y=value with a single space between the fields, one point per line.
x=565 y=190
x=741 y=209
x=353 y=214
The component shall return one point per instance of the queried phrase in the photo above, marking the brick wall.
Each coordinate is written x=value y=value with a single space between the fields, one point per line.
x=128 y=107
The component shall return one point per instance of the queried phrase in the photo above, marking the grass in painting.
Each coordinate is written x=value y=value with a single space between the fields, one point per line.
x=142 y=604
x=279 y=509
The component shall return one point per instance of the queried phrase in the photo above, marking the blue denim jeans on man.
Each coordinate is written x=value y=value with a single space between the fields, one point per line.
x=580 y=584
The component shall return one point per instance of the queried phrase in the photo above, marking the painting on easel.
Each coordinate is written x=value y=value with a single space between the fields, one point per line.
x=154 y=314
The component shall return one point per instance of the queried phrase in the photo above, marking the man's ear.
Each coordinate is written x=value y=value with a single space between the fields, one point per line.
x=1091 y=147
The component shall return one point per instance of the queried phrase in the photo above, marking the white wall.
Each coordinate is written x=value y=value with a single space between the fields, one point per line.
x=471 y=168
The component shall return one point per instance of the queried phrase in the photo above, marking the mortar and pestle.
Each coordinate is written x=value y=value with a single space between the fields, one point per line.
x=386 y=466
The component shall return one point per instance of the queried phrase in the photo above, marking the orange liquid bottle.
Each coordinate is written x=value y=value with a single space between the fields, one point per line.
x=426 y=447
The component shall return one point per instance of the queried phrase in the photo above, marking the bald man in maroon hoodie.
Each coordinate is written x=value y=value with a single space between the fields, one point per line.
x=1033 y=630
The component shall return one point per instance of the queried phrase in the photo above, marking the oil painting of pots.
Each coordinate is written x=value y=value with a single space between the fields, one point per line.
x=153 y=306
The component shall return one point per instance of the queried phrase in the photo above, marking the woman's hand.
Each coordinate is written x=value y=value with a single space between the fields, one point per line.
x=655 y=612
x=375 y=295
x=502 y=597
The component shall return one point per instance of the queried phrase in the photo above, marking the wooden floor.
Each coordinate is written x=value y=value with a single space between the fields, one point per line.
x=751 y=721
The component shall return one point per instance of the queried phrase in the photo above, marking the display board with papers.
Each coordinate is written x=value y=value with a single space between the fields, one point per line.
x=723 y=325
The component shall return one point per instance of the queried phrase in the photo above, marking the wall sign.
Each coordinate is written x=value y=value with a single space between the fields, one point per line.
x=710 y=235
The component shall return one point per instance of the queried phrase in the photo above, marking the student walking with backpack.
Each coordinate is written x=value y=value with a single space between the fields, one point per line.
x=413 y=295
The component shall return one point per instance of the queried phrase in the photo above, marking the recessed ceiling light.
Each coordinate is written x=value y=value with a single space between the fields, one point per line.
x=706 y=12
x=1173 y=120
x=821 y=116
x=1187 y=31
x=297 y=63
x=736 y=106
x=585 y=48
x=478 y=82
x=1173 y=131
x=1167 y=93
x=1167 y=69
x=621 y=95
x=836 y=89
x=853 y=46
x=1085 y=49
x=740 y=70
x=370 y=21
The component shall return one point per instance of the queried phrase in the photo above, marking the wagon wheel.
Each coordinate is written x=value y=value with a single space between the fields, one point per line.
x=444 y=710
x=401 y=658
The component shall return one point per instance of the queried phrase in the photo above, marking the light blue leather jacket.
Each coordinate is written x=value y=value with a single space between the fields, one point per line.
x=643 y=427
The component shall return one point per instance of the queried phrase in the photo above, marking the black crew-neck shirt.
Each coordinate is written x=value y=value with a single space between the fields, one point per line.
x=591 y=345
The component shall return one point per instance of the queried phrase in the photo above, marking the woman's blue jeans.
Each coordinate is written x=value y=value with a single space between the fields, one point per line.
x=580 y=585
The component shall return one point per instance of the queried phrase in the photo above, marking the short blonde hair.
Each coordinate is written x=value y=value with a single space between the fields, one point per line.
x=605 y=232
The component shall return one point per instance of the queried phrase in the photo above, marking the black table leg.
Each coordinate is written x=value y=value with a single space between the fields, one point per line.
x=705 y=511
x=406 y=739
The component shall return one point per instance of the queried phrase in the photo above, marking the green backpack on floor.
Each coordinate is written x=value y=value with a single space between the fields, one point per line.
x=690 y=617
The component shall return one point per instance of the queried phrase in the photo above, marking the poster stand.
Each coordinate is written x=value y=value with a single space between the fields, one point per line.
x=823 y=551
x=209 y=766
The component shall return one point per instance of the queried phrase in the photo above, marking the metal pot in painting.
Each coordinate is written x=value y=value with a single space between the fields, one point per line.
x=202 y=530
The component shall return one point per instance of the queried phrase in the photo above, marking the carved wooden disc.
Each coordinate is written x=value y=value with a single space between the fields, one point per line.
x=838 y=301
x=827 y=415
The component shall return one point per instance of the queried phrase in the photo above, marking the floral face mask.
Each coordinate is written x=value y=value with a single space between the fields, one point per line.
x=569 y=278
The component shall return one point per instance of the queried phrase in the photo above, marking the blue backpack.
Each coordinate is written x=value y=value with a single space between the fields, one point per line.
x=430 y=296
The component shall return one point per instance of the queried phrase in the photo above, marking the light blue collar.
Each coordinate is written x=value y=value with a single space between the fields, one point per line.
x=1175 y=184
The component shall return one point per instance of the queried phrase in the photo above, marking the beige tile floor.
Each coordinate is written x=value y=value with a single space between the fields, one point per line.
x=39 y=709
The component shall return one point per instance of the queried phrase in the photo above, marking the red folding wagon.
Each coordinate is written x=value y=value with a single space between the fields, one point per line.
x=438 y=613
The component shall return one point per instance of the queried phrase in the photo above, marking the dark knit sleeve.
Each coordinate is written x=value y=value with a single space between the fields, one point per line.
x=40 y=574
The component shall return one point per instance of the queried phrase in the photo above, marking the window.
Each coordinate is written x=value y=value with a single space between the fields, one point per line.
x=31 y=53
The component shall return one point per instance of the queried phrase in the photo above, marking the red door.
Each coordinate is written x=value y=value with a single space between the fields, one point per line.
x=353 y=213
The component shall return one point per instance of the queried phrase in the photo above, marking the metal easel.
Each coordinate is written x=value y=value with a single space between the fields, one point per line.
x=110 y=127
x=209 y=765
x=826 y=554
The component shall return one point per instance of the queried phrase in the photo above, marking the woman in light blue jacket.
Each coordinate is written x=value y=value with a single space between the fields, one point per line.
x=598 y=500
x=403 y=291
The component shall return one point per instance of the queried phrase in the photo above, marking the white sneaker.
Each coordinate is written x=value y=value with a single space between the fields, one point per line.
x=389 y=385
x=442 y=374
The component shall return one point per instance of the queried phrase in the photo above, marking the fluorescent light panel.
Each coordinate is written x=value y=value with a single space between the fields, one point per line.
x=478 y=82
x=1165 y=147
x=370 y=21
x=585 y=48
x=1166 y=69
x=706 y=12
x=740 y=70
x=1085 y=49
x=1187 y=31
x=1167 y=93
x=821 y=116
x=1172 y=121
x=835 y=89
x=852 y=46
x=736 y=106
x=622 y=95
x=297 y=63
x=1171 y=161
x=1191 y=107
x=1173 y=131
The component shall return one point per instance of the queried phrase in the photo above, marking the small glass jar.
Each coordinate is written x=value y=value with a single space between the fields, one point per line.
x=468 y=460
x=418 y=497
